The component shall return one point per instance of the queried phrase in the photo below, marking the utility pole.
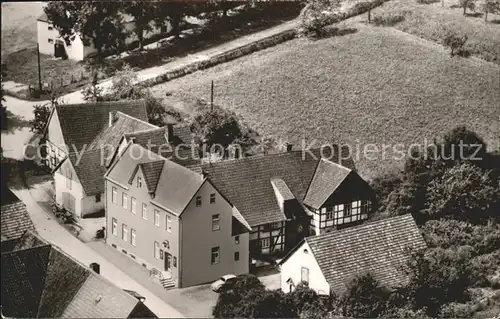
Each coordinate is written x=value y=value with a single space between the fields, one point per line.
x=39 y=69
x=212 y=97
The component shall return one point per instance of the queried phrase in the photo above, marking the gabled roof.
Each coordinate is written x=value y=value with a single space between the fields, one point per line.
x=378 y=247
x=81 y=123
x=15 y=220
x=90 y=169
x=177 y=184
x=43 y=282
x=110 y=136
x=152 y=172
x=247 y=184
x=327 y=178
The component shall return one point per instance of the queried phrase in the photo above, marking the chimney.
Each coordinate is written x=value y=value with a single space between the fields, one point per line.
x=95 y=267
x=112 y=118
x=170 y=132
x=289 y=147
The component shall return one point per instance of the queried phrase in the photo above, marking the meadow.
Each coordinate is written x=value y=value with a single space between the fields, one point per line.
x=371 y=85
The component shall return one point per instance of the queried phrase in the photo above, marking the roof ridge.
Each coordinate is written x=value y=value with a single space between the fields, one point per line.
x=356 y=228
x=118 y=112
x=337 y=164
x=156 y=128
x=101 y=103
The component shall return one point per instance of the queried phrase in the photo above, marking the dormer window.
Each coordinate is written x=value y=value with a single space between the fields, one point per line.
x=139 y=182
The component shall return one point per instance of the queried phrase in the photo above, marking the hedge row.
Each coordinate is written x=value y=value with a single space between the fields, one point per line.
x=221 y=58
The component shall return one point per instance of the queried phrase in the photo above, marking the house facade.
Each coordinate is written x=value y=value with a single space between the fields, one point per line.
x=288 y=196
x=51 y=43
x=172 y=220
x=79 y=141
x=328 y=262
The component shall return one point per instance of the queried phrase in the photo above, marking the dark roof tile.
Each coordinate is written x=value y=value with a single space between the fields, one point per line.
x=90 y=169
x=377 y=247
x=247 y=184
x=81 y=123
x=15 y=219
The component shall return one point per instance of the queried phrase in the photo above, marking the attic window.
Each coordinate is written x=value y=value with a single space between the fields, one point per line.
x=306 y=251
x=139 y=182
x=50 y=27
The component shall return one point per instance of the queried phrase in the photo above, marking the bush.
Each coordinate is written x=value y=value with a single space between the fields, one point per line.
x=316 y=16
x=390 y=19
x=455 y=42
x=455 y=310
x=42 y=113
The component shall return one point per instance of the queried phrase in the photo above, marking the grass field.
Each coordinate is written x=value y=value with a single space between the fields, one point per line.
x=372 y=85
x=19 y=25
x=431 y=22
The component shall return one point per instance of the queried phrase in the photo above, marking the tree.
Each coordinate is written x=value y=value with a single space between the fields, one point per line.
x=318 y=14
x=463 y=192
x=220 y=127
x=490 y=6
x=143 y=13
x=93 y=93
x=173 y=12
x=42 y=113
x=467 y=4
x=455 y=42
x=437 y=277
x=364 y=298
x=97 y=22
x=3 y=108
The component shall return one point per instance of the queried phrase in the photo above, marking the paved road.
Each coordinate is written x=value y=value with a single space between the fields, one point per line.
x=53 y=232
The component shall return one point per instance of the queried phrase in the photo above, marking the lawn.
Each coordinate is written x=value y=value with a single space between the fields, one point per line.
x=431 y=22
x=372 y=85
x=19 y=25
x=22 y=67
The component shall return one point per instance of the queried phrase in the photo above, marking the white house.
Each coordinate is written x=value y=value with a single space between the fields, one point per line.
x=328 y=262
x=49 y=38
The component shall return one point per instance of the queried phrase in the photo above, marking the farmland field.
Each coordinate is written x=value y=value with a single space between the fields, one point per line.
x=371 y=85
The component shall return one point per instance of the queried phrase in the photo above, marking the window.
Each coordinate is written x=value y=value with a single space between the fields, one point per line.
x=124 y=201
x=51 y=41
x=212 y=198
x=237 y=239
x=175 y=262
x=347 y=209
x=329 y=213
x=114 y=226
x=264 y=243
x=68 y=179
x=145 y=211
x=113 y=195
x=304 y=275
x=356 y=206
x=163 y=29
x=97 y=198
x=157 y=218
x=215 y=255
x=50 y=27
x=216 y=222
x=157 y=250
x=169 y=224
x=124 y=232
x=366 y=207
x=198 y=201
x=139 y=182
x=133 y=205
x=276 y=225
x=132 y=237
x=237 y=256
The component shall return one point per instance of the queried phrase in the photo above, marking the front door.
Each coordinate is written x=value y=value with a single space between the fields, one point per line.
x=168 y=262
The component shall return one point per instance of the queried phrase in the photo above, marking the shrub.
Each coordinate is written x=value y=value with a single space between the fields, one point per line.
x=316 y=16
x=42 y=113
x=390 y=19
x=455 y=310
